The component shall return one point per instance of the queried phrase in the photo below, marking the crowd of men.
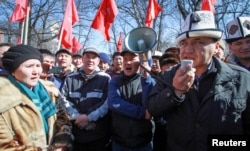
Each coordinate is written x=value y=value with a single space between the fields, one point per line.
x=96 y=102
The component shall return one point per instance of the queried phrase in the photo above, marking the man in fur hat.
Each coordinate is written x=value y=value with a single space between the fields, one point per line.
x=206 y=98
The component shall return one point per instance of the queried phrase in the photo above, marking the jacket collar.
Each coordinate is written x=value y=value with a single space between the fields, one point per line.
x=88 y=76
x=225 y=73
x=6 y=95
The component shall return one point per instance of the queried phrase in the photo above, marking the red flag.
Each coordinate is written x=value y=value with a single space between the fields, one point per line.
x=70 y=17
x=76 y=46
x=22 y=3
x=208 y=5
x=153 y=10
x=19 y=40
x=105 y=17
x=119 y=43
x=20 y=11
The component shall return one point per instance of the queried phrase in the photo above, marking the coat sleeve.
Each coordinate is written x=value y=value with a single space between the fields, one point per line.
x=70 y=108
x=63 y=136
x=147 y=84
x=102 y=110
x=99 y=112
x=162 y=99
x=117 y=104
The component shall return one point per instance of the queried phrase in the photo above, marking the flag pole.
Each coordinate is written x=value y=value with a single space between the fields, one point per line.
x=60 y=38
x=26 y=27
x=22 y=32
x=85 y=40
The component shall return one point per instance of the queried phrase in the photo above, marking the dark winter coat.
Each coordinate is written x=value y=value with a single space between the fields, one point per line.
x=223 y=109
x=126 y=100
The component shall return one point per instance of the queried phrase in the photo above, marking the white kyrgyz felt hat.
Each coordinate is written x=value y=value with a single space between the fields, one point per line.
x=157 y=54
x=199 y=24
x=238 y=28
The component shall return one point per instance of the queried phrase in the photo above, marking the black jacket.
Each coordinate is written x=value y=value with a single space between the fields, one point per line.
x=126 y=100
x=223 y=109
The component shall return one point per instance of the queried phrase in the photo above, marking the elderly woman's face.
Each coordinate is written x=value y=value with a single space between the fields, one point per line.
x=29 y=72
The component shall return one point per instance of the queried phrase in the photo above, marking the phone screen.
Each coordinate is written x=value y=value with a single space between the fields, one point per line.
x=56 y=70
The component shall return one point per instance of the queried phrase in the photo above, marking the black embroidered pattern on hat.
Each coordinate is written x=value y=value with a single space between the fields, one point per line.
x=233 y=29
x=247 y=24
x=238 y=28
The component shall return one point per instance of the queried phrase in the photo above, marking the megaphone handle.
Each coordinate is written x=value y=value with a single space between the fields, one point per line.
x=156 y=77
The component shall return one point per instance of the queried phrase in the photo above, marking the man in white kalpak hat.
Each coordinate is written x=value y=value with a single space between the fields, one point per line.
x=238 y=39
x=203 y=98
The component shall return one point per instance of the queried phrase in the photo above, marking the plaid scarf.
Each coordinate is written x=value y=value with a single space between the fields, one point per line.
x=40 y=98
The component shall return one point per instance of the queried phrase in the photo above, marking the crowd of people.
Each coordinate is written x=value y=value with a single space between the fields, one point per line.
x=93 y=101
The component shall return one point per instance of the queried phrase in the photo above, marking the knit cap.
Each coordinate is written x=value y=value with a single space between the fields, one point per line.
x=18 y=54
x=104 y=57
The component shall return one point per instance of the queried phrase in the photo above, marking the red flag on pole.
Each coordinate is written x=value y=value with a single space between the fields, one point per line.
x=20 y=11
x=119 y=43
x=70 y=17
x=208 y=5
x=22 y=3
x=19 y=40
x=76 y=45
x=105 y=17
x=153 y=10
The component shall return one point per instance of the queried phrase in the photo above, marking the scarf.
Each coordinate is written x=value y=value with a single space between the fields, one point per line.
x=40 y=97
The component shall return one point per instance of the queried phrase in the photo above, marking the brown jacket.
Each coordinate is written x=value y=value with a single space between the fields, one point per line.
x=21 y=125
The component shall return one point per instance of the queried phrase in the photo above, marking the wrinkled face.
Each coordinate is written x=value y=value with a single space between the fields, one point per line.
x=104 y=66
x=241 y=48
x=90 y=61
x=131 y=64
x=63 y=60
x=2 y=50
x=198 y=49
x=118 y=62
x=77 y=61
x=156 y=65
x=28 y=72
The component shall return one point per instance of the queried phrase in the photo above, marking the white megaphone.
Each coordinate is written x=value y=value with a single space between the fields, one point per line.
x=141 y=40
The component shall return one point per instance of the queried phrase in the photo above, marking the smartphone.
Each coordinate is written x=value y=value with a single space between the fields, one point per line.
x=56 y=70
x=185 y=62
